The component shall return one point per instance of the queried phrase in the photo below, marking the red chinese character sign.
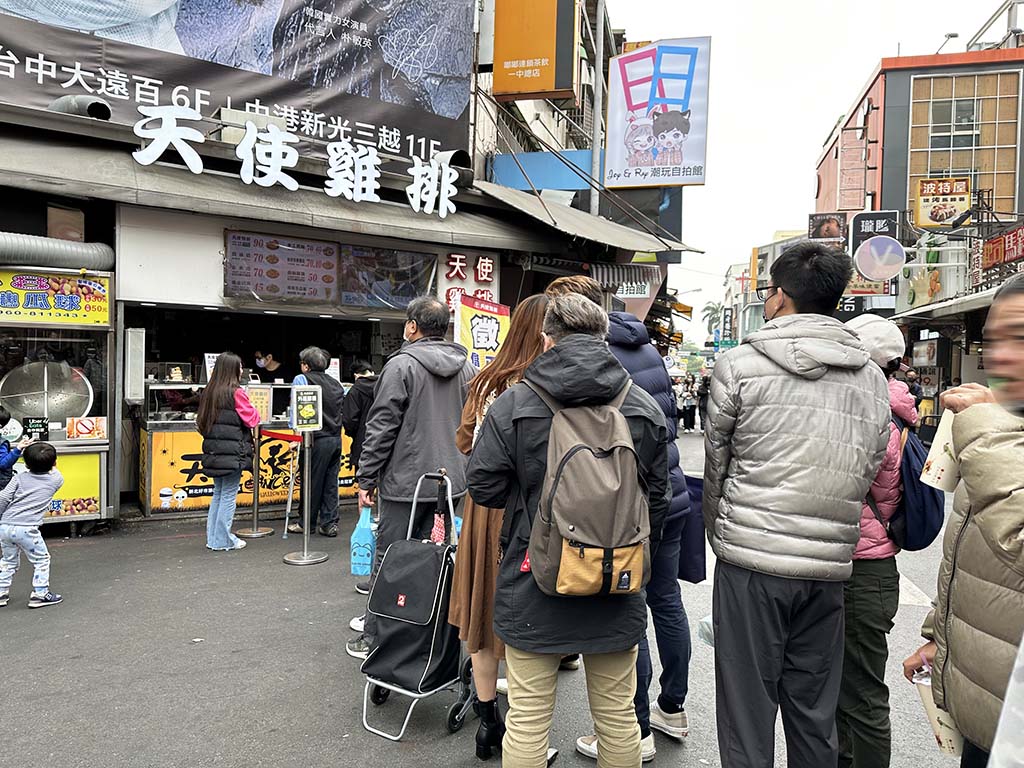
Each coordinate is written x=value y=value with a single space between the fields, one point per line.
x=481 y=327
x=464 y=274
x=658 y=115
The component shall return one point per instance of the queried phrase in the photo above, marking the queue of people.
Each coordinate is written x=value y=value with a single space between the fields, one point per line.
x=798 y=512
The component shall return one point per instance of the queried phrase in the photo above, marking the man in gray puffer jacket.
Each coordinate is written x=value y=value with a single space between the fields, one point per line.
x=799 y=425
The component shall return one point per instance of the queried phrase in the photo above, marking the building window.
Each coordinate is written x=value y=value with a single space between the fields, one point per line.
x=966 y=125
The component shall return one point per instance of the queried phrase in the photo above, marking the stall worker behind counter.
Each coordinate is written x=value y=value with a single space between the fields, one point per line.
x=271 y=370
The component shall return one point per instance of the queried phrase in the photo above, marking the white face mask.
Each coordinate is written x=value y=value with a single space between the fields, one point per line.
x=261 y=363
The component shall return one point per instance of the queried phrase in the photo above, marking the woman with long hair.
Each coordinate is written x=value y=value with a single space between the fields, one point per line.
x=225 y=420
x=476 y=566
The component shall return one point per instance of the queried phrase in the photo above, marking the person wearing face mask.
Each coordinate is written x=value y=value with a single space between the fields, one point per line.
x=270 y=368
x=410 y=431
x=799 y=424
x=978 y=620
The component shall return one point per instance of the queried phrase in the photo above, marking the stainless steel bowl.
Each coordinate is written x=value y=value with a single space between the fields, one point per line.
x=54 y=390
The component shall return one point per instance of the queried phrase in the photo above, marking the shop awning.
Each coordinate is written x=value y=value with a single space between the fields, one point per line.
x=576 y=223
x=611 y=276
x=62 y=164
x=958 y=306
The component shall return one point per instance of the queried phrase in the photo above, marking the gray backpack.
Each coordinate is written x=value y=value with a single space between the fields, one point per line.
x=591 y=532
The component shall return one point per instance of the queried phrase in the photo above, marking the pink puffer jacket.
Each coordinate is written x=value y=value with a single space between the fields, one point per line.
x=887 y=489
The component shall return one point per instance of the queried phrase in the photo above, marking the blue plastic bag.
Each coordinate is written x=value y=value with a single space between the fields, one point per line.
x=363 y=544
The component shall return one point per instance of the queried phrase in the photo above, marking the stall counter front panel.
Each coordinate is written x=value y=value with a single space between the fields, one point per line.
x=172 y=480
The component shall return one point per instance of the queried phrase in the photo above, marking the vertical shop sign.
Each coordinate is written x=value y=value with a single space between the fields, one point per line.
x=536 y=44
x=658 y=115
x=460 y=274
x=481 y=327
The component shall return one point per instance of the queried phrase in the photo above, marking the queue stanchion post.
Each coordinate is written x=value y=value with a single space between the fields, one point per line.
x=255 y=532
x=305 y=557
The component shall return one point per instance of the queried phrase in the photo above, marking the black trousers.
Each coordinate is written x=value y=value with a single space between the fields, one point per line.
x=323 y=486
x=973 y=757
x=778 y=644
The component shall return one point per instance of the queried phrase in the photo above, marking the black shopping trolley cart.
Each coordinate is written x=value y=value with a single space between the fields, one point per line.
x=417 y=653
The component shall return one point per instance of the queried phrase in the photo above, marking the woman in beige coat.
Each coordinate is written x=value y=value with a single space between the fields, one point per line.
x=978 y=620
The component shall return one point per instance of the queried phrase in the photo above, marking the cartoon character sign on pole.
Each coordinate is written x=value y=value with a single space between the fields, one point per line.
x=657 y=115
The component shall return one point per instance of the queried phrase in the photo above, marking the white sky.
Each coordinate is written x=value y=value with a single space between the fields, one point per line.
x=782 y=73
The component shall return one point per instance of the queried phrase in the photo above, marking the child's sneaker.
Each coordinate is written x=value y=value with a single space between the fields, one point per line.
x=3 y=599
x=41 y=601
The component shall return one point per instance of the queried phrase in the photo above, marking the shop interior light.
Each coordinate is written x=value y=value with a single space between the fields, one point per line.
x=210 y=309
x=327 y=317
x=373 y=319
x=269 y=311
x=147 y=304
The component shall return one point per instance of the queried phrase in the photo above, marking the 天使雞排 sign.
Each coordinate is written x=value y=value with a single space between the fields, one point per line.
x=268 y=155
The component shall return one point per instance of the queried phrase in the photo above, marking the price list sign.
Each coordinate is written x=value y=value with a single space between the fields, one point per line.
x=283 y=268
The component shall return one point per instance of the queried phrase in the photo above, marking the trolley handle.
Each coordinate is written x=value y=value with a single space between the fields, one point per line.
x=444 y=497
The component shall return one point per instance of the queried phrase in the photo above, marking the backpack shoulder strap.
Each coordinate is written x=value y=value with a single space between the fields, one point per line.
x=549 y=401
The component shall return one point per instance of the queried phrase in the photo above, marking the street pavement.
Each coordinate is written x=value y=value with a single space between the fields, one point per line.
x=165 y=654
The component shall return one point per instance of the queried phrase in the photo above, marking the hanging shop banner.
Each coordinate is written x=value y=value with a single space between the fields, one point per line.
x=481 y=327
x=536 y=45
x=466 y=274
x=658 y=115
x=940 y=201
x=280 y=268
x=177 y=481
x=80 y=494
x=395 y=76
x=43 y=297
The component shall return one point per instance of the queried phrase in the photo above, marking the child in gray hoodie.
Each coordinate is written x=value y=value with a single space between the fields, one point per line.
x=22 y=505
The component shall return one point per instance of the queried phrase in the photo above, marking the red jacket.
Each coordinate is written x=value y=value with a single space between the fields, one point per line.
x=887 y=489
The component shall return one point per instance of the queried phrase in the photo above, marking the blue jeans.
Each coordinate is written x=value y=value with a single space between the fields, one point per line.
x=15 y=539
x=222 y=512
x=671 y=629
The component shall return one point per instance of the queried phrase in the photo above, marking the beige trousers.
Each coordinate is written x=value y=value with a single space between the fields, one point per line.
x=532 y=683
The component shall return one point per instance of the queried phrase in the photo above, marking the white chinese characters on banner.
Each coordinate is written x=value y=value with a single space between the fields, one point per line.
x=267 y=153
x=433 y=186
x=467 y=275
x=353 y=172
x=168 y=134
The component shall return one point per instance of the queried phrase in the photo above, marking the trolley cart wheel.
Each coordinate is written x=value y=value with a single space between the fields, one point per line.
x=456 y=717
x=379 y=695
x=466 y=678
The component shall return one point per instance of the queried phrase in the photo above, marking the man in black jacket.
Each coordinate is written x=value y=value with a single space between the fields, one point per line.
x=507 y=467
x=357 y=407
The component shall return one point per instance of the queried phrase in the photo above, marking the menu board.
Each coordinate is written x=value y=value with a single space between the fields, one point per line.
x=280 y=268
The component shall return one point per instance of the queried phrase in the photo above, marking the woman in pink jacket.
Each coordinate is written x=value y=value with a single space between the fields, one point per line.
x=872 y=594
